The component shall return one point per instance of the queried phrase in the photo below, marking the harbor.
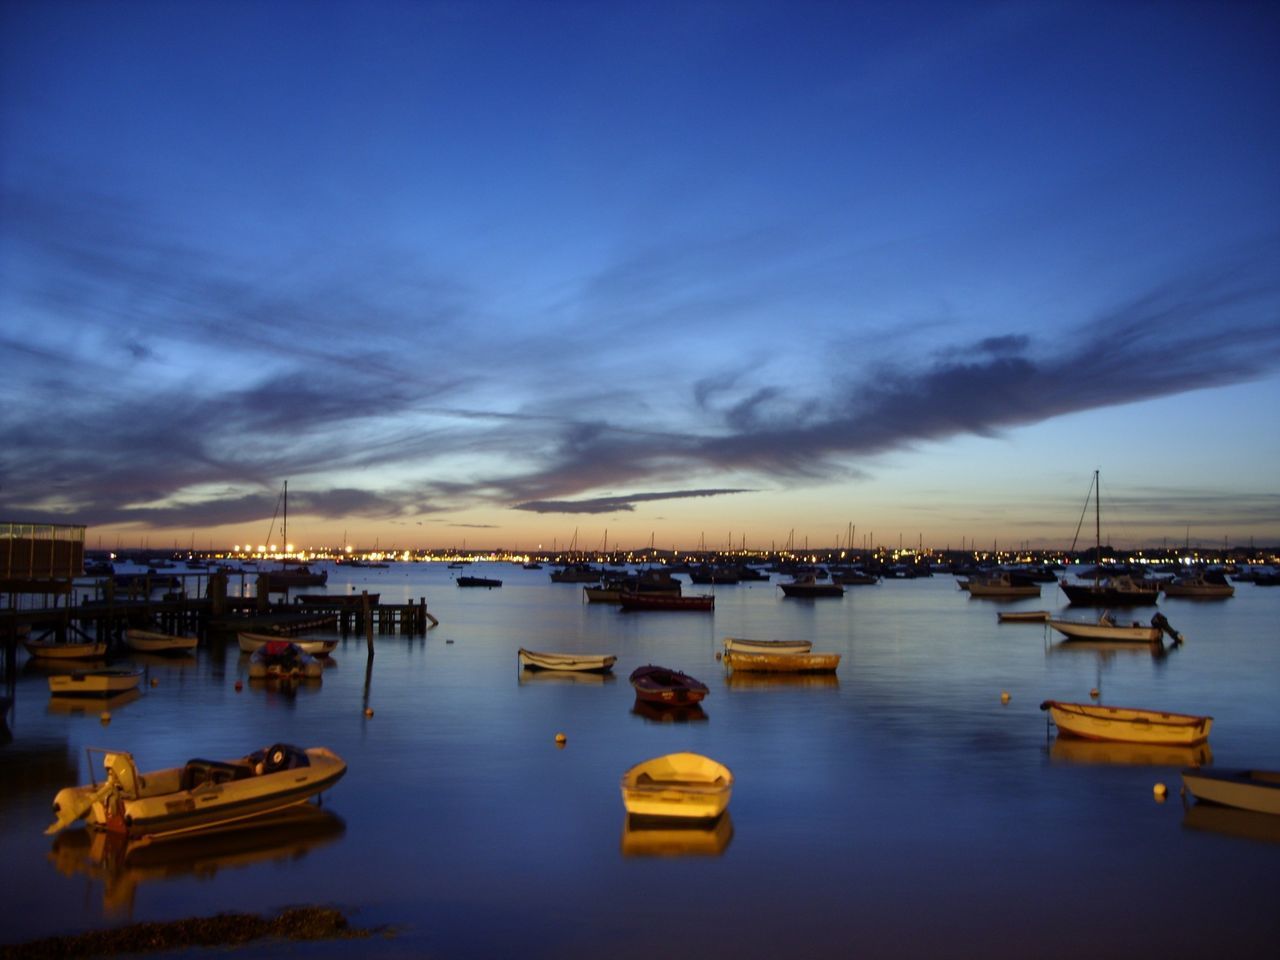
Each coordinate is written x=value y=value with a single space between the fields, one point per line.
x=920 y=777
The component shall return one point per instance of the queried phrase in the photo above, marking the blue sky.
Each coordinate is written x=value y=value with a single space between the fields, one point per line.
x=500 y=272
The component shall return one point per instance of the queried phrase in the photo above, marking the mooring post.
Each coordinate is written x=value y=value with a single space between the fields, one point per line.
x=368 y=620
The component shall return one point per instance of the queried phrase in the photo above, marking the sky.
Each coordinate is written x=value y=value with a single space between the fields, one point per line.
x=522 y=274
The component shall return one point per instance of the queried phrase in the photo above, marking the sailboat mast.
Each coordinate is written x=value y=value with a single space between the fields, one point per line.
x=284 y=527
x=1097 y=528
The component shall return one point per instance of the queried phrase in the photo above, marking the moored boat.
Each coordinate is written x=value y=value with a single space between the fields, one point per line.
x=1022 y=616
x=808 y=586
x=1256 y=790
x=151 y=641
x=200 y=795
x=1097 y=722
x=249 y=642
x=283 y=660
x=95 y=683
x=687 y=786
x=343 y=600
x=573 y=662
x=52 y=649
x=782 y=662
x=1199 y=586
x=662 y=685
x=1106 y=627
x=479 y=582
x=767 y=646
x=1002 y=585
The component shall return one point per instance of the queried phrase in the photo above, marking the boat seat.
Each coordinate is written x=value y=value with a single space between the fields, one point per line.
x=198 y=772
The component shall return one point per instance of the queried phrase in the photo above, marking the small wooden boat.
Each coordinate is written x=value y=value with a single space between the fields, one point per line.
x=687 y=786
x=1256 y=790
x=1106 y=627
x=94 y=683
x=150 y=641
x=250 y=642
x=200 y=795
x=1022 y=616
x=51 y=649
x=478 y=582
x=782 y=662
x=808 y=586
x=744 y=645
x=574 y=662
x=1097 y=722
x=283 y=660
x=662 y=685
x=659 y=601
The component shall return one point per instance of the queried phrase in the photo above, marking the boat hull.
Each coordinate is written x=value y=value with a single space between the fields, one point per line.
x=65 y=651
x=568 y=662
x=250 y=642
x=782 y=662
x=1088 y=595
x=1132 y=633
x=1128 y=725
x=94 y=683
x=148 y=641
x=641 y=601
x=658 y=685
x=803 y=590
x=1256 y=790
x=684 y=786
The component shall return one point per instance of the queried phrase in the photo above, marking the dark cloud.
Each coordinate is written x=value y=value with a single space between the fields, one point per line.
x=621 y=503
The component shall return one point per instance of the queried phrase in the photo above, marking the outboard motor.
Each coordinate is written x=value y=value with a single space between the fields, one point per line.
x=1159 y=621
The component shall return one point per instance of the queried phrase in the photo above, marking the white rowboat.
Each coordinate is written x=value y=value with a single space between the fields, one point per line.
x=1257 y=790
x=767 y=646
x=575 y=662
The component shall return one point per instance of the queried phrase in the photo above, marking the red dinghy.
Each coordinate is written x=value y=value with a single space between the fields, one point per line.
x=665 y=686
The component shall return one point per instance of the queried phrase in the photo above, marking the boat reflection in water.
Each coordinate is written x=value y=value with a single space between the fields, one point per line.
x=122 y=865
x=1069 y=749
x=667 y=837
x=655 y=713
x=738 y=680
x=1246 y=824
x=537 y=677
x=95 y=705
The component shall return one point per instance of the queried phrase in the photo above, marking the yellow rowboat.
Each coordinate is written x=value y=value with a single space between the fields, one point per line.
x=782 y=662
x=1097 y=722
x=88 y=650
x=686 y=786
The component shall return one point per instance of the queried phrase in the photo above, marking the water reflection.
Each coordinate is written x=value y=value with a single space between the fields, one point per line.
x=1246 y=824
x=92 y=705
x=650 y=837
x=36 y=769
x=653 y=713
x=122 y=864
x=551 y=677
x=1067 y=749
x=736 y=680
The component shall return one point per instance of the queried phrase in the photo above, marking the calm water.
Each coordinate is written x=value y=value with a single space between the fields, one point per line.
x=899 y=810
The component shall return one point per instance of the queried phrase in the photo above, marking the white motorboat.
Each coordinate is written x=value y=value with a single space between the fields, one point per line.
x=151 y=641
x=576 y=662
x=249 y=642
x=200 y=795
x=1106 y=627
